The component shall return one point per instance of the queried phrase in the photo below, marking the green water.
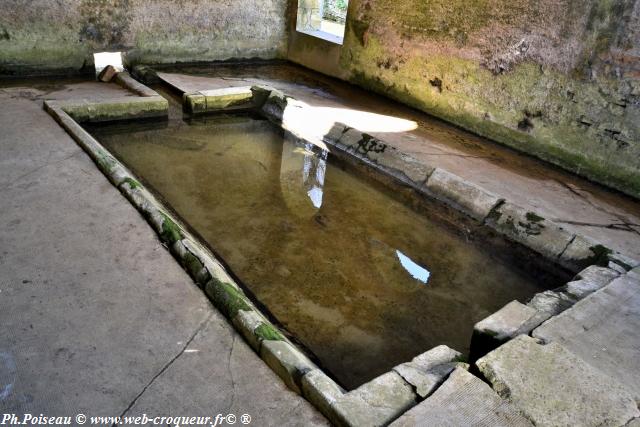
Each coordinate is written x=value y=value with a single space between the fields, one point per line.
x=362 y=280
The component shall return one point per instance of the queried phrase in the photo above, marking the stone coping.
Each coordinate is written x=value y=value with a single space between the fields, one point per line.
x=388 y=396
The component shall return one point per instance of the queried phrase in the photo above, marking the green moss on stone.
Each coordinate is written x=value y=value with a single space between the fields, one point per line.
x=133 y=184
x=226 y=297
x=268 y=332
x=170 y=231
x=192 y=264
x=531 y=216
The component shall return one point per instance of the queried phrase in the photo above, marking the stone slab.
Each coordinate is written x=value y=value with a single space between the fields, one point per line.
x=376 y=403
x=531 y=230
x=471 y=199
x=428 y=370
x=551 y=386
x=604 y=331
x=463 y=400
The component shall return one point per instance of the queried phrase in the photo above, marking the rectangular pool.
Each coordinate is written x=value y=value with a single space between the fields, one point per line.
x=357 y=276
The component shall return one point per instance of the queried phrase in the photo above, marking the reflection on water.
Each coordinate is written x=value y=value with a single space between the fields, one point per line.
x=340 y=263
x=416 y=271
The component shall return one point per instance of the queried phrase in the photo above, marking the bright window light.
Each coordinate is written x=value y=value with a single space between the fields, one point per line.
x=102 y=59
x=322 y=18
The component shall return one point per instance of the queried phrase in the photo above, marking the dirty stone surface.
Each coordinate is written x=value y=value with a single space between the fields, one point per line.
x=604 y=331
x=579 y=206
x=463 y=400
x=552 y=386
x=93 y=309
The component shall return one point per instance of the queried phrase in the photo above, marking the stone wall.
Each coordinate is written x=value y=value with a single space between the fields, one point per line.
x=559 y=79
x=39 y=36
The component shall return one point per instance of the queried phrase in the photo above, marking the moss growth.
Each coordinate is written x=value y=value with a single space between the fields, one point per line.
x=133 y=184
x=170 y=231
x=192 y=264
x=531 y=216
x=226 y=298
x=268 y=332
x=104 y=161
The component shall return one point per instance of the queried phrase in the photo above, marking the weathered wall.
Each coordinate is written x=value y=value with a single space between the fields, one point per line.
x=43 y=35
x=559 y=79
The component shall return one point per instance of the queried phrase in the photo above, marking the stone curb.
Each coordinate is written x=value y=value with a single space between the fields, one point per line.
x=125 y=80
x=224 y=99
x=122 y=108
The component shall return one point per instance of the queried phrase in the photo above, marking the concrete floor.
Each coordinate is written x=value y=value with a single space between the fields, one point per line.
x=579 y=205
x=97 y=318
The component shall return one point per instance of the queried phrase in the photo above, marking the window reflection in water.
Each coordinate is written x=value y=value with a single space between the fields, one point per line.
x=415 y=270
x=313 y=170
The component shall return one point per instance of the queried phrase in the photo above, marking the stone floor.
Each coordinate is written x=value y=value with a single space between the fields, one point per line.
x=579 y=205
x=96 y=316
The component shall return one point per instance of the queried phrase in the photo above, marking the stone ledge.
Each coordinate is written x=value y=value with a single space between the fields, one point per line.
x=467 y=197
x=224 y=99
x=529 y=229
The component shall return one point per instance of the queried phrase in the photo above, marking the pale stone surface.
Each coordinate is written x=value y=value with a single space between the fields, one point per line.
x=428 y=370
x=604 y=331
x=322 y=392
x=623 y=260
x=506 y=322
x=286 y=361
x=511 y=320
x=526 y=227
x=473 y=200
x=579 y=253
x=246 y=321
x=553 y=387
x=377 y=402
x=551 y=302
x=463 y=400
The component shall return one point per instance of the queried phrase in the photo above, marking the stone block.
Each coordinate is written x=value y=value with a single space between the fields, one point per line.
x=471 y=199
x=510 y=321
x=230 y=98
x=428 y=370
x=463 y=400
x=287 y=362
x=529 y=229
x=581 y=253
x=107 y=74
x=604 y=331
x=624 y=261
x=376 y=403
x=322 y=392
x=246 y=321
x=551 y=302
x=335 y=133
x=551 y=386
x=590 y=280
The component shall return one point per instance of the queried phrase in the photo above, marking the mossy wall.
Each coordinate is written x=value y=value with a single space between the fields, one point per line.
x=41 y=36
x=559 y=79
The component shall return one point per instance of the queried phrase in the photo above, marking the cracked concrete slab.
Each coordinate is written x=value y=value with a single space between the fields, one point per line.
x=94 y=310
